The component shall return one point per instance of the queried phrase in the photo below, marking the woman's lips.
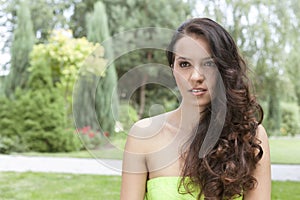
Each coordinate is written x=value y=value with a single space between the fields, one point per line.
x=198 y=91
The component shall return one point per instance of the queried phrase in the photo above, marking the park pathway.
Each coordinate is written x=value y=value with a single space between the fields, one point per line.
x=16 y=163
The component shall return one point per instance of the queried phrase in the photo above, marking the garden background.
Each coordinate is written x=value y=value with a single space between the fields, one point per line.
x=50 y=45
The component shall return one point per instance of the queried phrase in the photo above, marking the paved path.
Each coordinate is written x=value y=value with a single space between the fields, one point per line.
x=60 y=165
x=103 y=166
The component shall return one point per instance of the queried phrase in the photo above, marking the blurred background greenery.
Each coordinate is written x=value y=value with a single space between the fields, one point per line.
x=47 y=45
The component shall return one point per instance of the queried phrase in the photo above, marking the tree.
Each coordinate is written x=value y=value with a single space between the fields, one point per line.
x=106 y=103
x=78 y=23
x=133 y=14
x=23 y=41
x=43 y=114
x=45 y=16
x=50 y=11
x=292 y=61
x=10 y=127
x=261 y=30
x=65 y=56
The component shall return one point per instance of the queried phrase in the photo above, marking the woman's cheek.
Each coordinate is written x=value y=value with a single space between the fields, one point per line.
x=181 y=82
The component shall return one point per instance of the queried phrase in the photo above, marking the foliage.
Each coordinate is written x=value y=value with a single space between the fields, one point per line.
x=50 y=11
x=128 y=14
x=293 y=69
x=144 y=14
x=163 y=99
x=290 y=119
x=36 y=119
x=53 y=12
x=10 y=126
x=23 y=41
x=264 y=31
x=274 y=114
x=44 y=123
x=6 y=145
x=43 y=113
x=106 y=102
x=65 y=56
x=90 y=139
x=133 y=14
x=127 y=116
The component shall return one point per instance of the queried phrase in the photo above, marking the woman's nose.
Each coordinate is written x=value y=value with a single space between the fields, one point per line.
x=197 y=74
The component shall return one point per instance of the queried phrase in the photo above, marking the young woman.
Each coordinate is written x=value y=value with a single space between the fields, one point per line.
x=213 y=146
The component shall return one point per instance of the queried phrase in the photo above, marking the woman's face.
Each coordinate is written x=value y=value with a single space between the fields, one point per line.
x=194 y=71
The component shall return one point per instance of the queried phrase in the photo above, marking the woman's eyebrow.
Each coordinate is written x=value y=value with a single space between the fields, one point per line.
x=203 y=59
x=183 y=58
x=207 y=58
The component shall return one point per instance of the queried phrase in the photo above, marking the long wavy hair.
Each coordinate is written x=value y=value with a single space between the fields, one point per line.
x=226 y=171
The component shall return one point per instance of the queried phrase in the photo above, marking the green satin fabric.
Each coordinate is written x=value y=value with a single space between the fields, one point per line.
x=166 y=188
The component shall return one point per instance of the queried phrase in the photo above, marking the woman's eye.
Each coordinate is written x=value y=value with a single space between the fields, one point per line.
x=184 y=64
x=209 y=64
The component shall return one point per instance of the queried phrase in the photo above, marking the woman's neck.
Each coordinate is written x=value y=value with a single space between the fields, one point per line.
x=185 y=117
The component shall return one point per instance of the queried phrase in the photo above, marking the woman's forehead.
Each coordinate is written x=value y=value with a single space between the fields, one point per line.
x=191 y=47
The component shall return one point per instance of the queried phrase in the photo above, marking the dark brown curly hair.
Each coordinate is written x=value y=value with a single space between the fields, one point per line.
x=225 y=171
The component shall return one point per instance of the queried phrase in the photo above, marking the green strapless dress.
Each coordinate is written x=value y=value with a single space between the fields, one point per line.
x=166 y=188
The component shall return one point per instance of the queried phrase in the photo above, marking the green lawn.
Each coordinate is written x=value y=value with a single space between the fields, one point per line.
x=286 y=190
x=283 y=150
x=47 y=186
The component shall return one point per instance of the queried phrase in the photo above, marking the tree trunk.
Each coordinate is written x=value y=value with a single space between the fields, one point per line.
x=143 y=96
x=143 y=89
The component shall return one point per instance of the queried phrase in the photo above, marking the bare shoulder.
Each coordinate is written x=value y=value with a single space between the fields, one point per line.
x=261 y=134
x=140 y=139
x=144 y=132
x=262 y=172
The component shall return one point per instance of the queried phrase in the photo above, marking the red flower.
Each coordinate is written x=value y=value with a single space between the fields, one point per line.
x=91 y=134
x=85 y=129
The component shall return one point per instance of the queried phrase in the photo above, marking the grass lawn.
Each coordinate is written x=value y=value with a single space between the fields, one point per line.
x=286 y=190
x=284 y=150
x=47 y=186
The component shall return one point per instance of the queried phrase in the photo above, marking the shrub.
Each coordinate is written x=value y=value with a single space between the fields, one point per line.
x=127 y=116
x=118 y=140
x=10 y=126
x=90 y=139
x=290 y=119
x=44 y=123
x=36 y=119
x=43 y=113
x=10 y=144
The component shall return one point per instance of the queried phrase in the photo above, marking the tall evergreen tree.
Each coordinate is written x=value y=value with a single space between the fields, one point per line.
x=130 y=14
x=98 y=92
x=105 y=101
x=23 y=41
